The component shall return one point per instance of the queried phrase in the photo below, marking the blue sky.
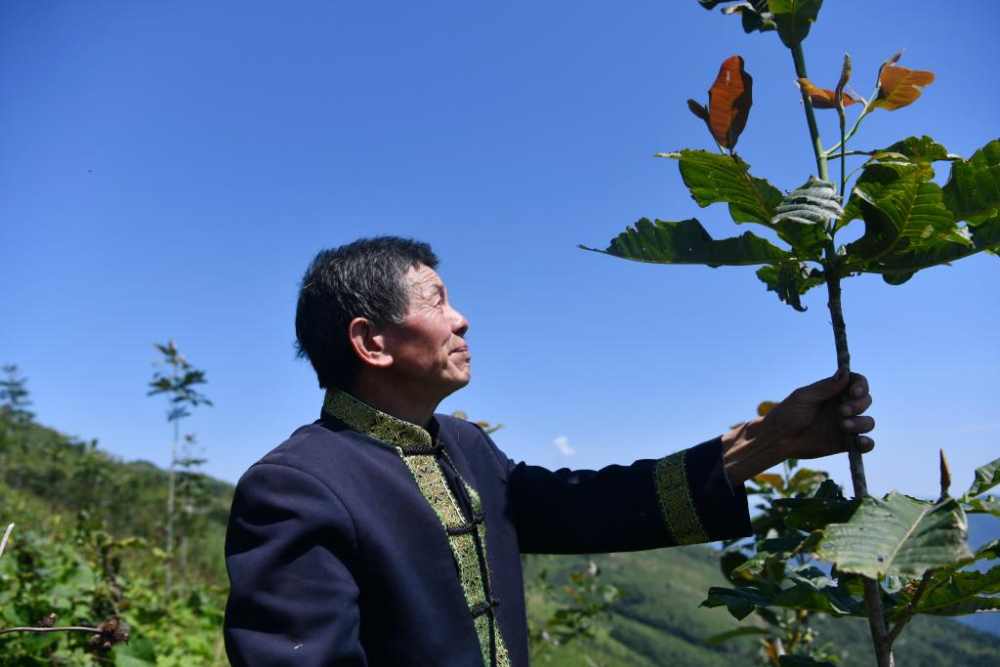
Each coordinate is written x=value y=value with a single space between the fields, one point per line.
x=169 y=169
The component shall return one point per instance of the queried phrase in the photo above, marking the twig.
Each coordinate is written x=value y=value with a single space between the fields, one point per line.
x=68 y=628
x=6 y=534
x=910 y=608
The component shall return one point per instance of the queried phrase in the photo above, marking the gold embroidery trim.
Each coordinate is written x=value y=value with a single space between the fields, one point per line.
x=678 y=508
x=370 y=421
x=427 y=473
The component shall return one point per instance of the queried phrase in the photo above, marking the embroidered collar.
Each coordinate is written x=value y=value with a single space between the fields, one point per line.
x=365 y=419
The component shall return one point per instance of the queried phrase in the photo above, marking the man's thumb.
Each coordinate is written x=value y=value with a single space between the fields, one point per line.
x=828 y=387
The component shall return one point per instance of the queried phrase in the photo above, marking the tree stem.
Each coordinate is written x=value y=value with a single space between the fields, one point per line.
x=798 y=57
x=873 y=599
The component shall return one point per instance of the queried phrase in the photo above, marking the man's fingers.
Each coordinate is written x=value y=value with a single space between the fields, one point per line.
x=859 y=385
x=858 y=424
x=855 y=407
x=865 y=444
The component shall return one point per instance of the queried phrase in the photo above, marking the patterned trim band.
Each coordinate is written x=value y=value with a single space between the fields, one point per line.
x=370 y=421
x=678 y=508
x=465 y=539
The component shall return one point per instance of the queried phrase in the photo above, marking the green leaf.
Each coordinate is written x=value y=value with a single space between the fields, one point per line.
x=813 y=589
x=816 y=513
x=954 y=593
x=790 y=280
x=739 y=601
x=922 y=149
x=687 y=242
x=804 y=214
x=900 y=267
x=987 y=505
x=715 y=640
x=755 y=14
x=897 y=535
x=713 y=178
x=972 y=192
x=987 y=477
x=901 y=207
x=793 y=18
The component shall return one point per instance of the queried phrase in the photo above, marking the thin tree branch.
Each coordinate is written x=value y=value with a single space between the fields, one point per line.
x=6 y=534
x=69 y=628
x=910 y=608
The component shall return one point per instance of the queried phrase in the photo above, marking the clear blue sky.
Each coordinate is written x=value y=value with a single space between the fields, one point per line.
x=169 y=169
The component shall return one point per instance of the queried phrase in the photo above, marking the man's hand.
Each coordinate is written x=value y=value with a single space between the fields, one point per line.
x=810 y=423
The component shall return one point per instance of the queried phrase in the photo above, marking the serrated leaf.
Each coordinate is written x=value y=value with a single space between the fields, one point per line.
x=899 y=267
x=900 y=87
x=972 y=192
x=822 y=98
x=897 y=535
x=803 y=216
x=793 y=18
x=918 y=149
x=903 y=212
x=714 y=178
x=790 y=280
x=687 y=242
x=729 y=102
x=987 y=477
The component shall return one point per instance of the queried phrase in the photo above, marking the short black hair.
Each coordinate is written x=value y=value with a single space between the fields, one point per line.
x=360 y=279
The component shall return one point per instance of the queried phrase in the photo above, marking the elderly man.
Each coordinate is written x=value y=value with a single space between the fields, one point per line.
x=386 y=534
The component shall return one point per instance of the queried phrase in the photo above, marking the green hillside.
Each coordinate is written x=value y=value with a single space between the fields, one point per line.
x=659 y=622
x=88 y=544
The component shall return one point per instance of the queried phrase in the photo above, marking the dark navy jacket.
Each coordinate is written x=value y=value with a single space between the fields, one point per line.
x=345 y=547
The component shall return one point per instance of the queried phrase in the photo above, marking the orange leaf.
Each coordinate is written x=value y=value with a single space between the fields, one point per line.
x=900 y=87
x=729 y=102
x=771 y=479
x=822 y=98
x=765 y=407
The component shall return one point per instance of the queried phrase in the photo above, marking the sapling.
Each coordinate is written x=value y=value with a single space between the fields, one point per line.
x=176 y=378
x=897 y=556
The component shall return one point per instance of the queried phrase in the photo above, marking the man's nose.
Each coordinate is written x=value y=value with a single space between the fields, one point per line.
x=460 y=325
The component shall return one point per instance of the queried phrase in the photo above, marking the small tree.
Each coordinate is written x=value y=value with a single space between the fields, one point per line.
x=900 y=555
x=14 y=414
x=177 y=379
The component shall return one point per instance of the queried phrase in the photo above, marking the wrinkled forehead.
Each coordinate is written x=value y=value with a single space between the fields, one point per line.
x=423 y=282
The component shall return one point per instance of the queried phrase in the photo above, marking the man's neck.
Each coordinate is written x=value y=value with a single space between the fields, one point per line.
x=395 y=398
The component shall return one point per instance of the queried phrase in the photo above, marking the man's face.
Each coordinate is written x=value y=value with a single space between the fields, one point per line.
x=429 y=346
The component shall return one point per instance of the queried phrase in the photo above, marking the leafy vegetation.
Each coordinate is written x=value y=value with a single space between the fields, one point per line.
x=81 y=553
x=892 y=556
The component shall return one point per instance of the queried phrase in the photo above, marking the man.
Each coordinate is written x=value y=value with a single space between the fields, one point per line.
x=384 y=534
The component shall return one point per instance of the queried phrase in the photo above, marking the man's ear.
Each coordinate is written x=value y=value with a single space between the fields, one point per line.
x=368 y=342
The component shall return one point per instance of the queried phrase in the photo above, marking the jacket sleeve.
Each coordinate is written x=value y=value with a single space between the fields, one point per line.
x=684 y=498
x=289 y=552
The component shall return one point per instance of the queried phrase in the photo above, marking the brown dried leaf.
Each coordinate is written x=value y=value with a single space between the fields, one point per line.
x=900 y=87
x=729 y=102
x=822 y=98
